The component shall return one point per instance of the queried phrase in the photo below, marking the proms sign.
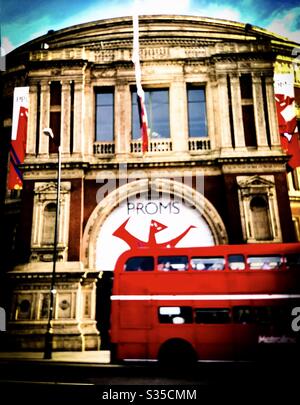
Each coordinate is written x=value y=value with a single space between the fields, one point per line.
x=142 y=223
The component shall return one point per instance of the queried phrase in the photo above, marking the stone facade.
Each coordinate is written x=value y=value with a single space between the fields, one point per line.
x=244 y=180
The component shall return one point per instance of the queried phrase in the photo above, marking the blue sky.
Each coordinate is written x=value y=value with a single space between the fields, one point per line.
x=22 y=21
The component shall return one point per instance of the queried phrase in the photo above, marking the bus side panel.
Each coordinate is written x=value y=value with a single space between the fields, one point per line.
x=132 y=335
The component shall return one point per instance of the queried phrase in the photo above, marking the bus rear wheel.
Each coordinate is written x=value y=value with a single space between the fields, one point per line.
x=177 y=352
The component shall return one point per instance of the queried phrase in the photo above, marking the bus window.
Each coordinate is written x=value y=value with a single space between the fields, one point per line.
x=175 y=315
x=142 y=263
x=236 y=262
x=212 y=315
x=169 y=263
x=208 y=263
x=293 y=261
x=264 y=262
x=243 y=315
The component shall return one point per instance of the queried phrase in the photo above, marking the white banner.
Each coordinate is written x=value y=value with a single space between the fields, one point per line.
x=21 y=99
x=142 y=223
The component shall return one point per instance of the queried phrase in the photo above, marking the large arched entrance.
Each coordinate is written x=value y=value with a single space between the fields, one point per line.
x=161 y=212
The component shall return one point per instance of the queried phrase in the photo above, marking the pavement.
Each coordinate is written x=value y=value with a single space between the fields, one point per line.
x=100 y=356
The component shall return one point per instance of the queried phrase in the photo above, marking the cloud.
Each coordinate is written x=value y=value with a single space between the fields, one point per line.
x=286 y=24
x=219 y=11
x=164 y=6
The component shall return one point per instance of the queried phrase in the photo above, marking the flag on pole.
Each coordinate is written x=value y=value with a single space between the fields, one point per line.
x=286 y=113
x=18 y=138
x=138 y=79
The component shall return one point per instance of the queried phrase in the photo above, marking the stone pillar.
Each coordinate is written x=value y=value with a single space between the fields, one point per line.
x=65 y=116
x=210 y=110
x=122 y=114
x=259 y=113
x=273 y=121
x=90 y=118
x=237 y=115
x=78 y=117
x=178 y=116
x=223 y=108
x=44 y=117
x=32 y=120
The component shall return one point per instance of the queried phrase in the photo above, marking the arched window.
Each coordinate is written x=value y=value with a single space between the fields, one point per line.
x=260 y=218
x=49 y=224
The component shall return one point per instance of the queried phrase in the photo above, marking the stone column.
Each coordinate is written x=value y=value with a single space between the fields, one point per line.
x=223 y=123
x=122 y=117
x=178 y=116
x=32 y=120
x=44 y=117
x=237 y=115
x=259 y=113
x=90 y=118
x=210 y=103
x=78 y=117
x=65 y=116
x=273 y=121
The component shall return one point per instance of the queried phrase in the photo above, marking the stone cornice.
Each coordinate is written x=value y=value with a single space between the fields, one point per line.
x=237 y=162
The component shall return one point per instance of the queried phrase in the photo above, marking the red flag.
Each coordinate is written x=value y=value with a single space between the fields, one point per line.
x=143 y=123
x=17 y=151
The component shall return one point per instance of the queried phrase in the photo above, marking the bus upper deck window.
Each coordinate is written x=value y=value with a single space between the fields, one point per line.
x=293 y=261
x=169 y=263
x=142 y=263
x=236 y=262
x=264 y=262
x=208 y=263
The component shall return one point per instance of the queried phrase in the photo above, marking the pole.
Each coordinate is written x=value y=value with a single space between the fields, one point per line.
x=49 y=332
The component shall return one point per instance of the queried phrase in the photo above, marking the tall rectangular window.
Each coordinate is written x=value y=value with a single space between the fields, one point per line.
x=55 y=115
x=197 y=111
x=157 y=107
x=248 y=110
x=105 y=115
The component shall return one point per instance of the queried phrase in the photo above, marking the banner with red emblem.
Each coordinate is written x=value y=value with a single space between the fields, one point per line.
x=18 y=137
x=286 y=112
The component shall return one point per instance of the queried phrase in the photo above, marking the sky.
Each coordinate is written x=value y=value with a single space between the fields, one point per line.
x=22 y=21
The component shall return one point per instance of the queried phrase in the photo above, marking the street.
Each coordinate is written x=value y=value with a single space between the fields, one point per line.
x=59 y=382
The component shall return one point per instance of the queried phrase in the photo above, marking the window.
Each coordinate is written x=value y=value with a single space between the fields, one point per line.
x=169 y=263
x=197 y=111
x=212 y=315
x=157 y=108
x=55 y=115
x=248 y=110
x=293 y=261
x=236 y=262
x=259 y=208
x=49 y=224
x=260 y=217
x=243 y=315
x=175 y=315
x=264 y=262
x=105 y=115
x=143 y=263
x=208 y=263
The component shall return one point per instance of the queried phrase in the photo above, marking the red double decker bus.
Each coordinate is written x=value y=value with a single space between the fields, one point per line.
x=223 y=302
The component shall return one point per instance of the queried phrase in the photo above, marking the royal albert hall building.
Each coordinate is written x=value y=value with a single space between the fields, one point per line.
x=214 y=172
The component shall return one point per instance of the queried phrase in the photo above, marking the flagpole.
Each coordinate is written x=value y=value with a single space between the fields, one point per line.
x=138 y=80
